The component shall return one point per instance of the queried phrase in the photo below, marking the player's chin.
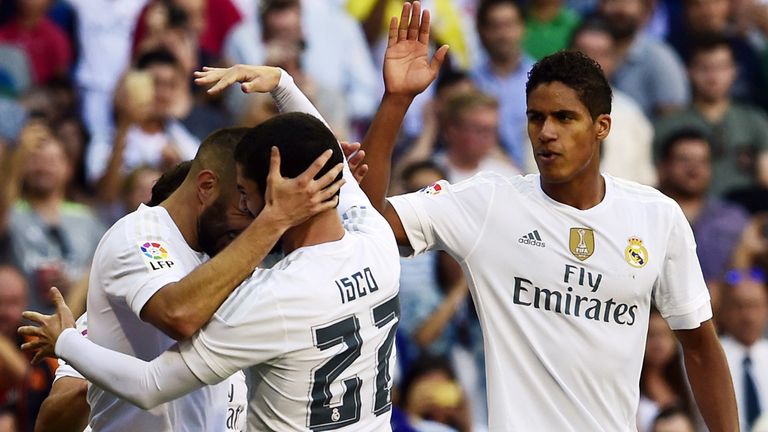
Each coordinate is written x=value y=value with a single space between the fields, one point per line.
x=554 y=174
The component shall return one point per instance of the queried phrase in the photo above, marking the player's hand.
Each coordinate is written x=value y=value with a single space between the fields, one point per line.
x=49 y=328
x=291 y=201
x=355 y=158
x=407 y=69
x=252 y=79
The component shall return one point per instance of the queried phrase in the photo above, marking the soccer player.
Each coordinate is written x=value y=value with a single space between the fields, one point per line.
x=66 y=408
x=563 y=267
x=318 y=329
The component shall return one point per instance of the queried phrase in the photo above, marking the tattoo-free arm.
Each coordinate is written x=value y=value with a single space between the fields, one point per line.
x=66 y=407
x=710 y=377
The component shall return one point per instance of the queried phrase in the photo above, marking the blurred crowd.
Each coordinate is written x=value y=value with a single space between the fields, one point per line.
x=97 y=101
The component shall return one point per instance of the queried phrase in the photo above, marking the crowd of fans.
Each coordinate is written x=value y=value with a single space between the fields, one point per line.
x=97 y=100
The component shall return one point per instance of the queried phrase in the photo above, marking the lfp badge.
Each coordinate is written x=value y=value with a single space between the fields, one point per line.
x=155 y=256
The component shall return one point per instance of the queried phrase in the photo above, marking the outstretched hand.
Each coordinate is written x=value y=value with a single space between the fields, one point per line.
x=49 y=328
x=252 y=79
x=407 y=69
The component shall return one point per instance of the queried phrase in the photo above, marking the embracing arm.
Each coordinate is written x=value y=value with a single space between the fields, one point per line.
x=709 y=376
x=144 y=384
x=66 y=407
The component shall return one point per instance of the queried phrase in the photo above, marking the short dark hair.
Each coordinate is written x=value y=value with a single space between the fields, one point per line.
x=594 y=24
x=481 y=16
x=577 y=71
x=169 y=182
x=414 y=167
x=300 y=138
x=705 y=43
x=217 y=153
x=679 y=135
x=158 y=56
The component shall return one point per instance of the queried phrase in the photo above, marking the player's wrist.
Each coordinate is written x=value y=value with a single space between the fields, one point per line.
x=274 y=219
x=397 y=98
x=63 y=341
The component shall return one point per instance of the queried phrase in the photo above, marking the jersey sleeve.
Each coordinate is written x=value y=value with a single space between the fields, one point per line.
x=680 y=293
x=445 y=216
x=289 y=98
x=145 y=384
x=140 y=264
x=248 y=329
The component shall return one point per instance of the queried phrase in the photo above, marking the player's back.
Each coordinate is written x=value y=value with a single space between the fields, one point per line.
x=320 y=328
x=139 y=255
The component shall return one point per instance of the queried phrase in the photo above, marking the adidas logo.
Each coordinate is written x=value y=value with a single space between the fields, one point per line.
x=532 y=238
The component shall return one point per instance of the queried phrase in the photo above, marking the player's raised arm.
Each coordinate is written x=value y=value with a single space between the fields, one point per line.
x=407 y=72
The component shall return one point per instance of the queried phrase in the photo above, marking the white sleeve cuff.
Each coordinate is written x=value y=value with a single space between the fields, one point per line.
x=692 y=319
x=408 y=212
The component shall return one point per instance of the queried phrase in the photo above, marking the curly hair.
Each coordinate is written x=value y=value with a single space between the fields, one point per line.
x=578 y=72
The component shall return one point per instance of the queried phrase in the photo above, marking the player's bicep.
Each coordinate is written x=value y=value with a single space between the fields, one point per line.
x=393 y=219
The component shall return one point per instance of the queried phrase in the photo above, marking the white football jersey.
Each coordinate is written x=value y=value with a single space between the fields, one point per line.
x=140 y=254
x=563 y=295
x=317 y=331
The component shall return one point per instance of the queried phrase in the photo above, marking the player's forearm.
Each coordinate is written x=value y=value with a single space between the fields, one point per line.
x=710 y=378
x=182 y=308
x=379 y=144
x=289 y=98
x=144 y=384
x=66 y=407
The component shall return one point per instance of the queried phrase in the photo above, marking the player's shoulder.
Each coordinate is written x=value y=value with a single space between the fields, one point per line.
x=640 y=194
x=484 y=182
x=143 y=223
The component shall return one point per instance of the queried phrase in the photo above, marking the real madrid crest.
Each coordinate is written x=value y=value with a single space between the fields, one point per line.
x=582 y=243
x=636 y=254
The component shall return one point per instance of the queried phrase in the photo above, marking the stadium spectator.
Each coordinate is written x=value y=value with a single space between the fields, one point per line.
x=673 y=419
x=548 y=27
x=626 y=152
x=470 y=133
x=23 y=386
x=648 y=70
x=186 y=25
x=744 y=318
x=104 y=31
x=662 y=380
x=45 y=44
x=738 y=133
x=338 y=60
x=148 y=131
x=433 y=399
x=708 y=18
x=53 y=238
x=685 y=173
x=501 y=28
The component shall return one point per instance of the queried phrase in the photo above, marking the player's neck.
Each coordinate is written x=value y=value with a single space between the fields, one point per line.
x=186 y=219
x=582 y=192
x=323 y=228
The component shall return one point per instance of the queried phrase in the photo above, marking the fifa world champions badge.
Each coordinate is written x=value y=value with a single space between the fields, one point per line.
x=636 y=254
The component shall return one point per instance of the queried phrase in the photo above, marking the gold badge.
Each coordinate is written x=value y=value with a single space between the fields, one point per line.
x=636 y=254
x=582 y=243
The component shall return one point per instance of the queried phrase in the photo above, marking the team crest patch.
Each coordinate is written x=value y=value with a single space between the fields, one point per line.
x=636 y=254
x=582 y=243
x=432 y=189
x=155 y=255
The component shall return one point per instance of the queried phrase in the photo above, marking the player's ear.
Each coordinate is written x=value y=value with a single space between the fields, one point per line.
x=207 y=186
x=603 y=126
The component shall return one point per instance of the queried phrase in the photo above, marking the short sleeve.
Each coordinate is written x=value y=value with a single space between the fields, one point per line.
x=444 y=216
x=248 y=329
x=680 y=293
x=141 y=265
